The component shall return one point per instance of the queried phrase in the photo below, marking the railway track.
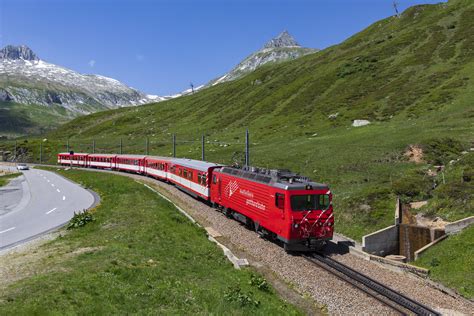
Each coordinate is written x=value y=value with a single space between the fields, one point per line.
x=381 y=292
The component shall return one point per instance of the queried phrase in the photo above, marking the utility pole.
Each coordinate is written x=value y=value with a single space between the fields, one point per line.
x=174 y=145
x=41 y=152
x=192 y=87
x=203 y=156
x=146 y=146
x=67 y=145
x=247 y=153
x=15 y=149
x=93 y=146
x=395 y=6
x=121 y=147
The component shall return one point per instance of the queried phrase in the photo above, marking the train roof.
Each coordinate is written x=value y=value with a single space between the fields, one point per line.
x=159 y=158
x=194 y=164
x=73 y=153
x=102 y=155
x=131 y=156
x=283 y=179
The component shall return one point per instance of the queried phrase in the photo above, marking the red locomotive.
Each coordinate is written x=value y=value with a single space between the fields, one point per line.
x=278 y=204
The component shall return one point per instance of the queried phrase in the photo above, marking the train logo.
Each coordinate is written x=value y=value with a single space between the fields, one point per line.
x=231 y=188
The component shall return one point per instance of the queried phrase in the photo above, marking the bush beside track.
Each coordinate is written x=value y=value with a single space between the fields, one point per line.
x=139 y=255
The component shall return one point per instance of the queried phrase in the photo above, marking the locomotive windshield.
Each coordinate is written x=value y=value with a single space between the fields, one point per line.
x=309 y=202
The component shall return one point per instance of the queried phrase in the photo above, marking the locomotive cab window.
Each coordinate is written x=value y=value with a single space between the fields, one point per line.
x=310 y=202
x=214 y=179
x=280 y=200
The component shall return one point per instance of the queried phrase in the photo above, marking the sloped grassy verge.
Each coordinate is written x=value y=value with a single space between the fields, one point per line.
x=451 y=262
x=137 y=255
x=4 y=179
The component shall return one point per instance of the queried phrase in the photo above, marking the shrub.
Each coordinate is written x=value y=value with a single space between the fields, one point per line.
x=235 y=294
x=80 y=219
x=259 y=282
x=414 y=184
x=441 y=150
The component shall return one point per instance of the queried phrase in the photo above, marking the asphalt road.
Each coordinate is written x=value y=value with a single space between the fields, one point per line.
x=46 y=202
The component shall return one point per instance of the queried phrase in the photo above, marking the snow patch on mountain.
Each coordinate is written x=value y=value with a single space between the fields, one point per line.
x=281 y=48
x=24 y=78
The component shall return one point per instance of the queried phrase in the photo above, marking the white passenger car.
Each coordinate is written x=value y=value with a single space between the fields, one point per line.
x=22 y=166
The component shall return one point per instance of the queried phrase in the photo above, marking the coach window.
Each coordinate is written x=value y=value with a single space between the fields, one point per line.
x=185 y=173
x=214 y=179
x=204 y=179
x=190 y=175
x=199 y=178
x=280 y=200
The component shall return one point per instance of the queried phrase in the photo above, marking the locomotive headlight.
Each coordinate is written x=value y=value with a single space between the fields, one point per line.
x=296 y=225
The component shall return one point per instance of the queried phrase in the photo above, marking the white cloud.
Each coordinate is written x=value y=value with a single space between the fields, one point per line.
x=91 y=63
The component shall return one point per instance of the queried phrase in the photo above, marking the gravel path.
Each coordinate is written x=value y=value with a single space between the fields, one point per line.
x=339 y=297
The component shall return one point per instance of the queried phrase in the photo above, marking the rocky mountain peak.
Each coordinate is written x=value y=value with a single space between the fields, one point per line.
x=284 y=39
x=17 y=52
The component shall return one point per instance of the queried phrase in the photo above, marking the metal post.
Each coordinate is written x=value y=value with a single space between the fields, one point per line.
x=247 y=153
x=67 y=145
x=203 y=156
x=121 y=146
x=93 y=146
x=147 y=146
x=41 y=152
x=174 y=145
x=15 y=149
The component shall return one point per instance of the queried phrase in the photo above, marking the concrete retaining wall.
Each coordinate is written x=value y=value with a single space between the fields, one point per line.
x=381 y=243
x=457 y=226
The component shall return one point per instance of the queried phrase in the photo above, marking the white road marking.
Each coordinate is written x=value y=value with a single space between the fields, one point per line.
x=58 y=190
x=7 y=230
x=64 y=197
x=54 y=209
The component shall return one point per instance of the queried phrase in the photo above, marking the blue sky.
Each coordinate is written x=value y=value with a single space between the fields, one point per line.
x=160 y=46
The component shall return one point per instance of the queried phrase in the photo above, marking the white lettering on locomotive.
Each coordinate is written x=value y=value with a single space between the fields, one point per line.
x=230 y=188
x=247 y=193
x=255 y=204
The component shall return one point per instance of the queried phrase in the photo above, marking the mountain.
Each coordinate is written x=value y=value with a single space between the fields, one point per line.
x=411 y=76
x=281 y=48
x=26 y=79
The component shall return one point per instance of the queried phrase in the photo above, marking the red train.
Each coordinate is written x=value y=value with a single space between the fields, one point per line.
x=278 y=204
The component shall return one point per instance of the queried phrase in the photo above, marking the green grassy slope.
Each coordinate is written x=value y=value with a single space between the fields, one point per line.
x=452 y=262
x=20 y=119
x=139 y=256
x=411 y=76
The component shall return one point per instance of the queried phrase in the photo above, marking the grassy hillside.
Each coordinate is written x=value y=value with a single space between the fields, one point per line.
x=139 y=255
x=412 y=77
x=451 y=262
x=20 y=119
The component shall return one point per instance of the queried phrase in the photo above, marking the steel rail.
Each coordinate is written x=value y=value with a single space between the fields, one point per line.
x=370 y=286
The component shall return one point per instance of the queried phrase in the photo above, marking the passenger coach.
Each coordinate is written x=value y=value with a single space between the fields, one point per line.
x=73 y=159
x=192 y=176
